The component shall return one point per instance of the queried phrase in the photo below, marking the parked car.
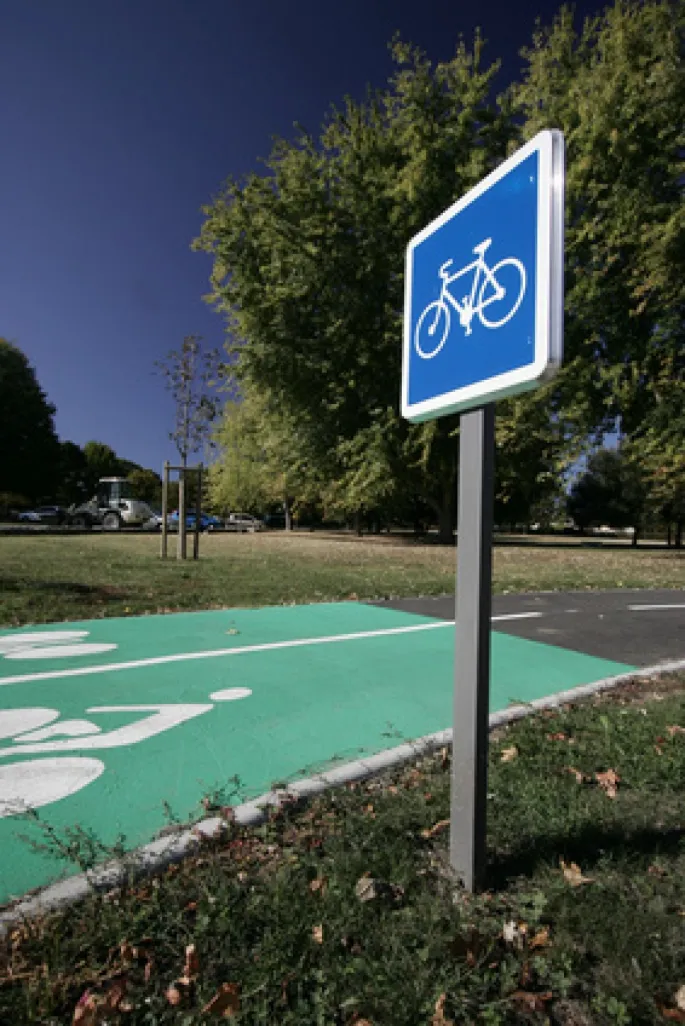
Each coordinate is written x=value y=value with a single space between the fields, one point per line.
x=155 y=521
x=207 y=521
x=243 y=522
x=44 y=515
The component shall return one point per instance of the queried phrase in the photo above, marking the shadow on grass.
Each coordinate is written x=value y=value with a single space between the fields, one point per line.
x=586 y=847
x=103 y=592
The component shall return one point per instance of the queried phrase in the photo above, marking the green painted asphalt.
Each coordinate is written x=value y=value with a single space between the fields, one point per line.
x=310 y=705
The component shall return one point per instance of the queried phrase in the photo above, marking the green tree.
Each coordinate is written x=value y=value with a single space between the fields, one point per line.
x=616 y=88
x=657 y=449
x=308 y=268
x=29 y=449
x=146 y=485
x=260 y=460
x=611 y=491
x=73 y=474
x=101 y=461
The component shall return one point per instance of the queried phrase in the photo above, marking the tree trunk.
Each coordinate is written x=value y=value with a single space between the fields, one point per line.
x=447 y=514
x=358 y=523
x=635 y=537
x=668 y=536
x=678 y=534
x=288 y=515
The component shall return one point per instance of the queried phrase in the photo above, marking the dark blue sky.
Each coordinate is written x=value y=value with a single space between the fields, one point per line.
x=120 y=118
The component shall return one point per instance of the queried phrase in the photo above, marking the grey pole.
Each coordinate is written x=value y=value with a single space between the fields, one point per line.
x=181 y=540
x=198 y=512
x=165 y=505
x=472 y=657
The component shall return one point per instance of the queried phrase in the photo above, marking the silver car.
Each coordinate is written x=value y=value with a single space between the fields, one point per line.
x=243 y=522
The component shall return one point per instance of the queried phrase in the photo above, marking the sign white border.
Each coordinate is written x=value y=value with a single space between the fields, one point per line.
x=549 y=291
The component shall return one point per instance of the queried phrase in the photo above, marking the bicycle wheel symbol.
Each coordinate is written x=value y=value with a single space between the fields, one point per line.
x=508 y=276
x=432 y=329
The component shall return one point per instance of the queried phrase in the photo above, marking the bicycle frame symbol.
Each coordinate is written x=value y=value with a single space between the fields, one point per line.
x=485 y=290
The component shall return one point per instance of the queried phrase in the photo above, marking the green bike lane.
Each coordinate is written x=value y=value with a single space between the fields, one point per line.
x=113 y=725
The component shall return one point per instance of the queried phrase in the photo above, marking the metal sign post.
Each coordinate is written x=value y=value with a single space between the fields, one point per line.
x=483 y=320
x=472 y=658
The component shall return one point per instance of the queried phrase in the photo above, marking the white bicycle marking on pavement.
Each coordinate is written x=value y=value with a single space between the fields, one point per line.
x=33 y=783
x=38 y=782
x=51 y=645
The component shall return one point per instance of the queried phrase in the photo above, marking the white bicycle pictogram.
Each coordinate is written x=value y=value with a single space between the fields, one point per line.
x=486 y=289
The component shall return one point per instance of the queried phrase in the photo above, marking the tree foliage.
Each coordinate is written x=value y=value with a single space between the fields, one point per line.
x=29 y=449
x=611 y=491
x=308 y=268
x=616 y=88
x=308 y=260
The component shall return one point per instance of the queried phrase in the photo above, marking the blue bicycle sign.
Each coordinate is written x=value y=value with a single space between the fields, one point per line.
x=483 y=288
x=501 y=288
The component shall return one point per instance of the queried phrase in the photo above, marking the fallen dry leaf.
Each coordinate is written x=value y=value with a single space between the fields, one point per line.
x=318 y=885
x=192 y=964
x=608 y=782
x=580 y=777
x=531 y=1001
x=540 y=940
x=317 y=933
x=675 y=1014
x=675 y=729
x=680 y=998
x=559 y=736
x=514 y=933
x=173 y=995
x=439 y=1018
x=573 y=874
x=225 y=1003
x=436 y=828
x=508 y=754
x=95 y=1008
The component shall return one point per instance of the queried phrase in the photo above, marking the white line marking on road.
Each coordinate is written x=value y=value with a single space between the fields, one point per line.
x=642 y=609
x=513 y=616
x=82 y=671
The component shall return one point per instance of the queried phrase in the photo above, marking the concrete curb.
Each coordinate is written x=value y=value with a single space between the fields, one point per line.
x=167 y=850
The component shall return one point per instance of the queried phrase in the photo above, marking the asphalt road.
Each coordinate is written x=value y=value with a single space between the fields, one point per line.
x=641 y=628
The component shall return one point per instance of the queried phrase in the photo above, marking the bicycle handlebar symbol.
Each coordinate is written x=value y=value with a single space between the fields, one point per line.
x=435 y=320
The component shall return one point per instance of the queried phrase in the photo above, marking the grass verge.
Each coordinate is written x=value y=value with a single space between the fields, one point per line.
x=48 y=578
x=343 y=910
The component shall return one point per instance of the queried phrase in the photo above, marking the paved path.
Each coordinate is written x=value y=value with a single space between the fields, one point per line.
x=103 y=722
x=637 y=627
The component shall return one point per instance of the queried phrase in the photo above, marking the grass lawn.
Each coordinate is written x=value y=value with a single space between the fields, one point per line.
x=343 y=911
x=48 y=578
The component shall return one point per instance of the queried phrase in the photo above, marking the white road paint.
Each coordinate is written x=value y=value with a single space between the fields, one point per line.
x=28 y=639
x=16 y=721
x=644 y=609
x=24 y=678
x=50 y=645
x=60 y=651
x=163 y=717
x=513 y=616
x=230 y=694
x=65 y=728
x=38 y=782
